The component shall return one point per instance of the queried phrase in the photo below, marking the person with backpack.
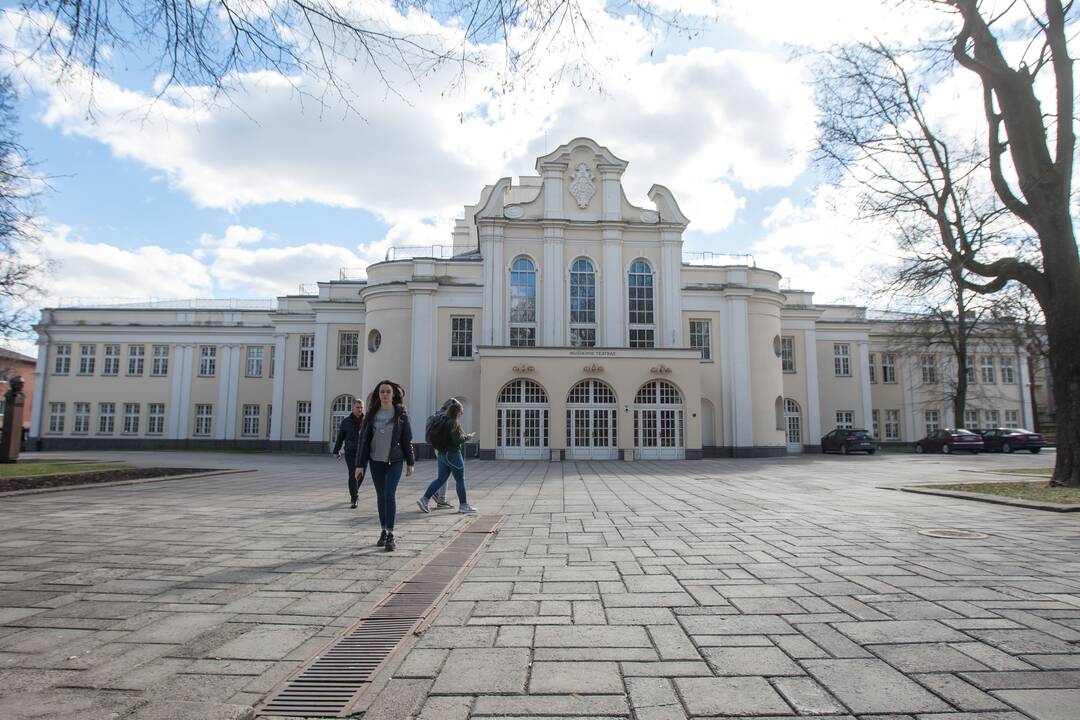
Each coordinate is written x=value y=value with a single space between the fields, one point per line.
x=445 y=435
x=440 y=495
x=386 y=443
x=349 y=437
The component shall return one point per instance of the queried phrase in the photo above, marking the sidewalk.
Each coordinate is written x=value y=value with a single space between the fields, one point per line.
x=655 y=591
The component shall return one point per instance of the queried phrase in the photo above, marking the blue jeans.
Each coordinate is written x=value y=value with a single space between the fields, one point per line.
x=450 y=462
x=385 y=478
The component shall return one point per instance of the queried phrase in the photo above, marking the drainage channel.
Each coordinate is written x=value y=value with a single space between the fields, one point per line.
x=330 y=684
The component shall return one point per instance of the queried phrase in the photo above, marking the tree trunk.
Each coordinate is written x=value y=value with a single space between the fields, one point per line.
x=1063 y=334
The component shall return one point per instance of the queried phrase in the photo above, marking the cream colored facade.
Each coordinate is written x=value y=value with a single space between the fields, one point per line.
x=567 y=320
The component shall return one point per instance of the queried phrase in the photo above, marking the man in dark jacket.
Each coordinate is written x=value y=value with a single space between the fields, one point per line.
x=348 y=437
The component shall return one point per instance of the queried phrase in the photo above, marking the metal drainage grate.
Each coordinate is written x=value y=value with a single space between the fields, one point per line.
x=331 y=683
x=954 y=534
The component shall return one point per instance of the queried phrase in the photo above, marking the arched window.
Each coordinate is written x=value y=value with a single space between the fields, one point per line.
x=523 y=303
x=341 y=407
x=582 y=304
x=641 y=306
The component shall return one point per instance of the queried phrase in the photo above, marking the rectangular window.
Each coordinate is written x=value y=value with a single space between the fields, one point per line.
x=348 y=357
x=970 y=368
x=81 y=426
x=111 y=364
x=988 y=374
x=892 y=424
x=86 y=359
x=136 y=358
x=522 y=337
x=254 y=361
x=303 y=418
x=62 y=366
x=871 y=369
x=106 y=418
x=307 y=352
x=56 y=416
x=583 y=336
x=131 y=418
x=155 y=418
x=787 y=354
x=971 y=419
x=933 y=421
x=701 y=338
x=460 y=337
x=640 y=338
x=1012 y=418
x=845 y=419
x=207 y=360
x=993 y=418
x=888 y=368
x=842 y=359
x=161 y=361
x=874 y=416
x=1008 y=375
x=929 y=370
x=204 y=419
x=251 y=421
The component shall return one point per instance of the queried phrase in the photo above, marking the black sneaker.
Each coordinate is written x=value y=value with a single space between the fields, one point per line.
x=382 y=539
x=390 y=545
x=353 y=505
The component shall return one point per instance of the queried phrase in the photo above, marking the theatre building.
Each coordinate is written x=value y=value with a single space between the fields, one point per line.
x=567 y=319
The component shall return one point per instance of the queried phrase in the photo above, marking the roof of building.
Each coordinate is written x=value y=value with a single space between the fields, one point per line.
x=6 y=354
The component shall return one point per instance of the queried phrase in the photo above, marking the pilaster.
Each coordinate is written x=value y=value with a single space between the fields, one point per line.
x=224 y=372
x=41 y=374
x=864 y=384
x=813 y=390
x=276 y=411
x=670 y=287
x=421 y=398
x=1023 y=382
x=185 y=353
x=552 y=301
x=612 y=278
x=318 y=381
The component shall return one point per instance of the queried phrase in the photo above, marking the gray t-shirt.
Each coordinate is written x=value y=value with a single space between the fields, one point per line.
x=382 y=435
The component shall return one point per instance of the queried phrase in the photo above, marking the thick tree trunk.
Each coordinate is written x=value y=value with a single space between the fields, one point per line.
x=1063 y=336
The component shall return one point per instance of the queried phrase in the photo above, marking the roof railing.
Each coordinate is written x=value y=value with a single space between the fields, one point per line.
x=717 y=259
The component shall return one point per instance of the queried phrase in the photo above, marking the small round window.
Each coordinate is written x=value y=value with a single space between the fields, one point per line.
x=374 y=340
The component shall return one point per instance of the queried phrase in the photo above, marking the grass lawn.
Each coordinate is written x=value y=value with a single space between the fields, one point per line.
x=1034 y=490
x=54 y=467
x=1029 y=471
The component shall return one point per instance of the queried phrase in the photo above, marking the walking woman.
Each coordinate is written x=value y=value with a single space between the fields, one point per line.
x=386 y=443
x=451 y=460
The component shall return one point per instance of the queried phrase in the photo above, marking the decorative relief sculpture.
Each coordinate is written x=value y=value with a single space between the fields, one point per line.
x=524 y=368
x=594 y=368
x=650 y=216
x=582 y=186
x=660 y=369
x=513 y=212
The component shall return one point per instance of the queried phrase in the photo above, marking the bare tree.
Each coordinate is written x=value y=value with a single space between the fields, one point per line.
x=20 y=262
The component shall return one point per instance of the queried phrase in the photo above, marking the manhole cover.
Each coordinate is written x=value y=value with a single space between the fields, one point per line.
x=954 y=534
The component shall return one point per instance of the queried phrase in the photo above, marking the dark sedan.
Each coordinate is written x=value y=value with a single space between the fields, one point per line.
x=846 y=441
x=950 y=440
x=1009 y=440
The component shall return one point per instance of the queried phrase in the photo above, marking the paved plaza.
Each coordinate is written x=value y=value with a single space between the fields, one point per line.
x=647 y=590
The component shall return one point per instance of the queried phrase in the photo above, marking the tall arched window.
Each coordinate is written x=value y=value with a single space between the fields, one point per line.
x=523 y=303
x=642 y=319
x=582 y=304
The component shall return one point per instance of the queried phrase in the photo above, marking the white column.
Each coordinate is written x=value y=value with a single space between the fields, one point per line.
x=670 y=282
x=738 y=365
x=41 y=372
x=221 y=411
x=611 y=277
x=552 y=300
x=907 y=412
x=421 y=399
x=864 y=374
x=323 y=353
x=183 y=429
x=1027 y=414
x=553 y=190
x=813 y=390
x=280 y=364
x=176 y=383
x=496 y=321
x=233 y=392
x=611 y=197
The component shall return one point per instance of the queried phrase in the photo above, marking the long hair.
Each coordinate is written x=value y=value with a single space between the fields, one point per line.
x=453 y=408
x=374 y=403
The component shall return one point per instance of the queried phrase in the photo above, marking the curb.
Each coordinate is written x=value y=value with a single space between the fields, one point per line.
x=994 y=499
x=135 y=481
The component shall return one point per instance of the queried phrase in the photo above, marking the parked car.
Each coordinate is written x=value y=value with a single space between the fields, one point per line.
x=846 y=441
x=1009 y=440
x=949 y=440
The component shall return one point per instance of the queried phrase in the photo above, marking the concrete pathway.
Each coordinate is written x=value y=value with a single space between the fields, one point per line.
x=655 y=591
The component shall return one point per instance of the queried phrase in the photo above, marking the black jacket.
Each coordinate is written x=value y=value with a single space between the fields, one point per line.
x=401 y=447
x=349 y=434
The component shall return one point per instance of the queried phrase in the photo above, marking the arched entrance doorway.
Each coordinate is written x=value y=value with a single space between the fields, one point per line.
x=793 y=423
x=658 y=422
x=590 y=422
x=522 y=421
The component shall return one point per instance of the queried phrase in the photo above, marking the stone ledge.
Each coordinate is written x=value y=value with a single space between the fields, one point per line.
x=136 y=481
x=995 y=499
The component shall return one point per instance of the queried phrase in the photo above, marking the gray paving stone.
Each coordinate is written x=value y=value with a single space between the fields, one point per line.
x=537 y=706
x=735 y=625
x=730 y=696
x=578 y=678
x=483 y=670
x=669 y=669
x=871 y=686
x=265 y=643
x=592 y=636
x=446 y=707
x=926 y=658
x=959 y=693
x=176 y=628
x=899 y=631
x=750 y=661
x=1024 y=679
x=421 y=663
x=1044 y=704
x=807 y=696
